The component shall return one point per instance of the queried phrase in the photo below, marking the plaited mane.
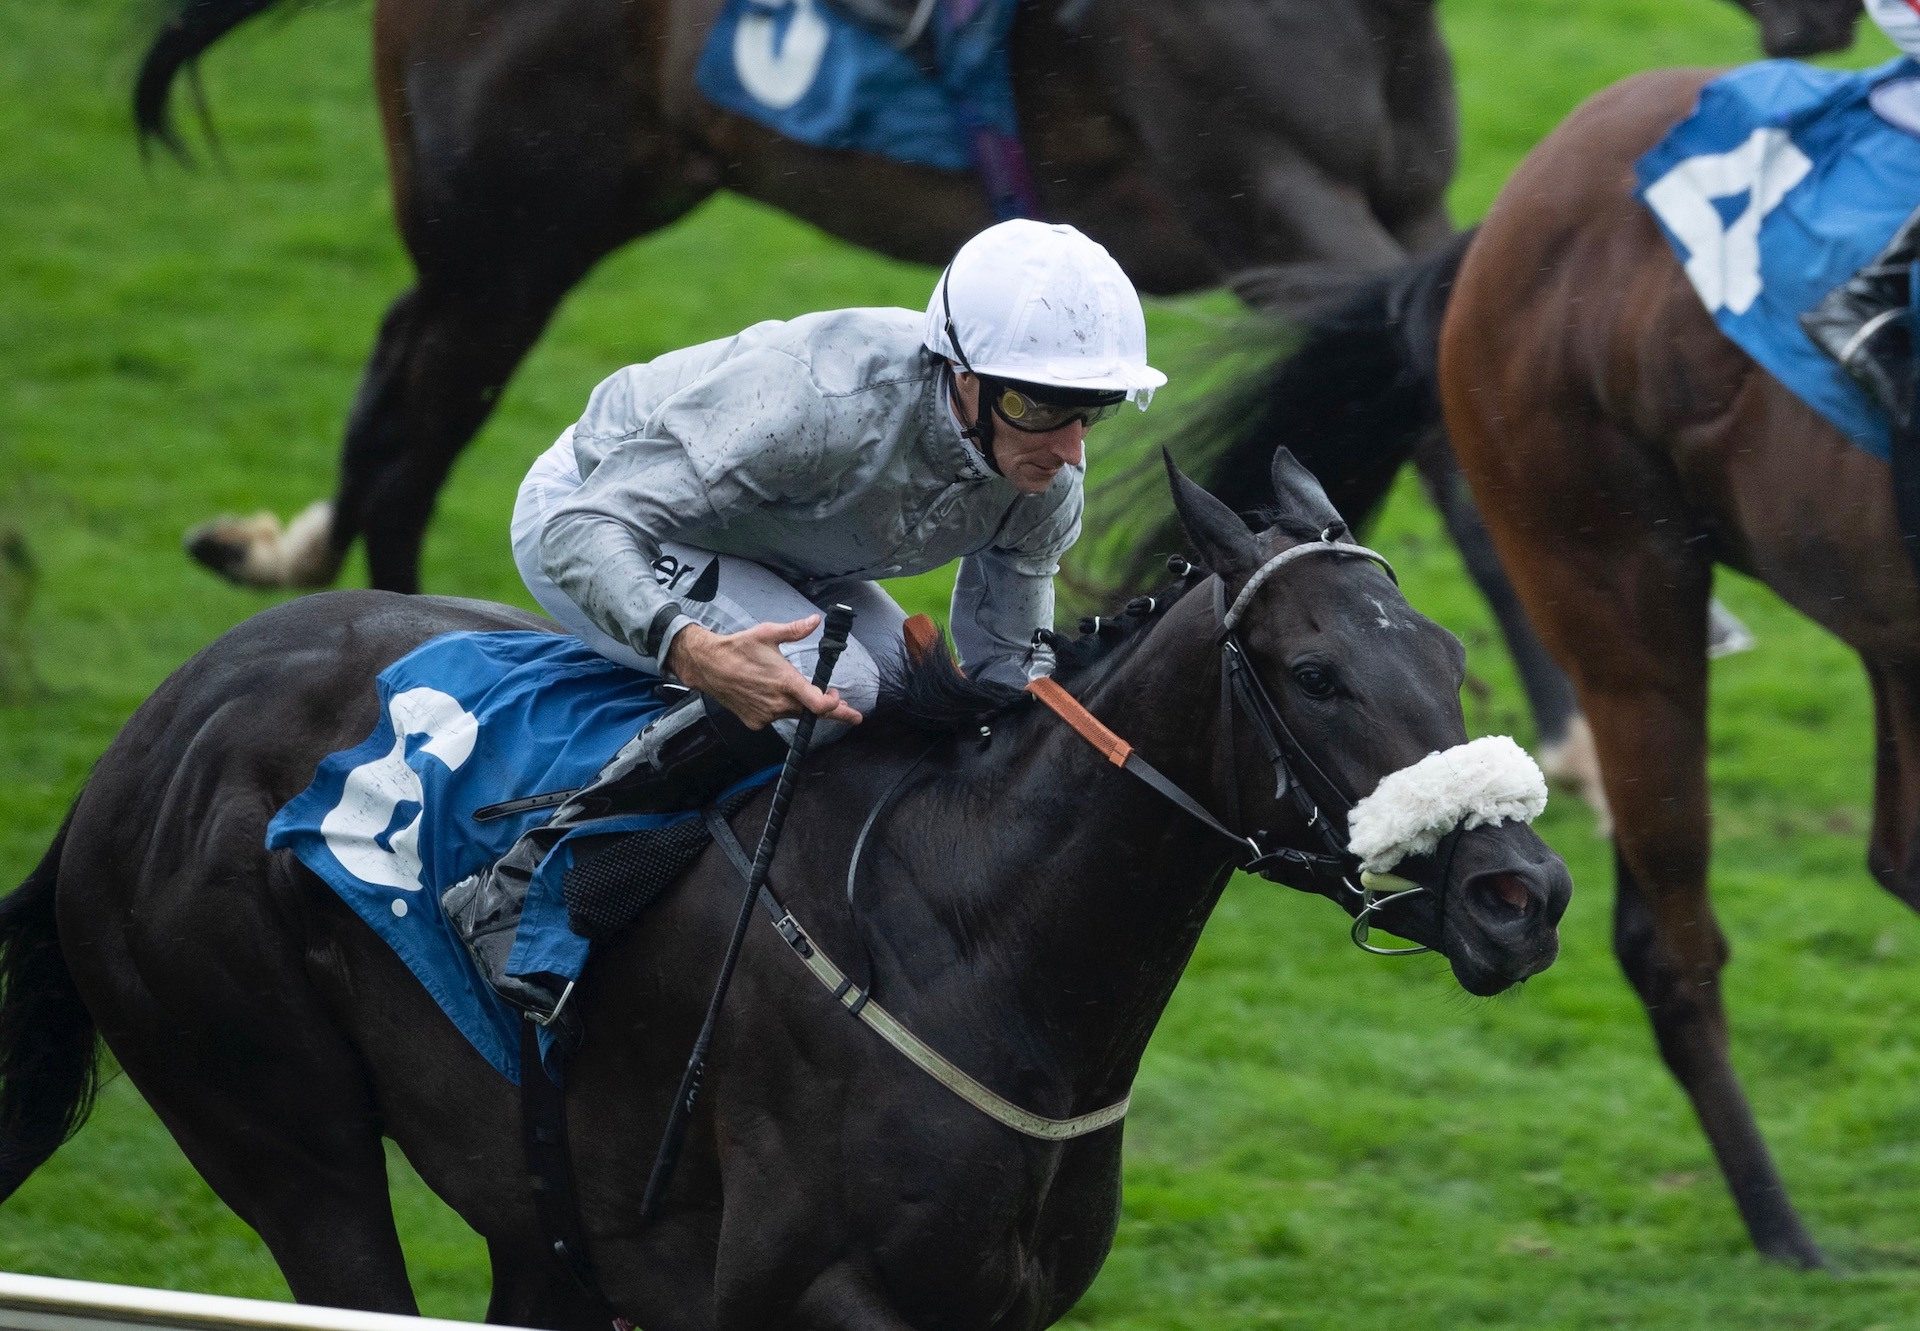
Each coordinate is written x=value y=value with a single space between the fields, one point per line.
x=931 y=695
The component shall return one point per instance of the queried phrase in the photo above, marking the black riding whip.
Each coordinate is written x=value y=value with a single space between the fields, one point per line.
x=833 y=641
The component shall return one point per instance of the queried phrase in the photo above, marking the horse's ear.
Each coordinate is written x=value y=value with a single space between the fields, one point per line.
x=1223 y=542
x=1301 y=507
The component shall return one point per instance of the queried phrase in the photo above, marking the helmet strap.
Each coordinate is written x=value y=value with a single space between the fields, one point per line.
x=981 y=431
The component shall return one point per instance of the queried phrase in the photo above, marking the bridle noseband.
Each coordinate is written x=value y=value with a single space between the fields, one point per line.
x=1330 y=868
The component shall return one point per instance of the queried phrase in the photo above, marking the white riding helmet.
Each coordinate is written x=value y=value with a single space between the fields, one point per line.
x=1042 y=304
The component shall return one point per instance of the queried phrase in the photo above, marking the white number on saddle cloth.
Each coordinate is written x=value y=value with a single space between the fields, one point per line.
x=776 y=68
x=375 y=791
x=1724 y=258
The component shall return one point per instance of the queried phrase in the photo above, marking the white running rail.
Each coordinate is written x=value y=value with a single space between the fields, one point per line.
x=38 y=1303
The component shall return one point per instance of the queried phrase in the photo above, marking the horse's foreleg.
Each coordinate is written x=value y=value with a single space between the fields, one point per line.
x=1894 y=852
x=843 y=1299
x=1598 y=542
x=1642 y=679
x=444 y=352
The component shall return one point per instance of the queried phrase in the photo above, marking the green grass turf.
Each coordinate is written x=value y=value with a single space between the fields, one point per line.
x=1321 y=1139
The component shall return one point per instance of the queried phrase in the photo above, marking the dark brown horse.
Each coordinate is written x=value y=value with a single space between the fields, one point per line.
x=526 y=142
x=1028 y=910
x=1619 y=446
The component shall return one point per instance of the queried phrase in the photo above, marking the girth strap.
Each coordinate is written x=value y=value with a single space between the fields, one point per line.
x=543 y=1132
x=884 y=1024
x=1903 y=458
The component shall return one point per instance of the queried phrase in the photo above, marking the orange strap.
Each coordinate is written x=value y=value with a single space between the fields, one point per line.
x=921 y=635
x=1114 y=749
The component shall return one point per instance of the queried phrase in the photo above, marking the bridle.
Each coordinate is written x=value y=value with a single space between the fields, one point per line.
x=1328 y=867
x=1331 y=865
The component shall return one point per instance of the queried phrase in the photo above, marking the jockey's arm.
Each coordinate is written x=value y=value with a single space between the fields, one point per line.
x=693 y=463
x=1004 y=593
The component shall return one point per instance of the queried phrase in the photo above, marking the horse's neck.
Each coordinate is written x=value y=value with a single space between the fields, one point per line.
x=1058 y=901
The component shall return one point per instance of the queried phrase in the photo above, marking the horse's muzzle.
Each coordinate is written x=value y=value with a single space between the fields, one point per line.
x=1505 y=894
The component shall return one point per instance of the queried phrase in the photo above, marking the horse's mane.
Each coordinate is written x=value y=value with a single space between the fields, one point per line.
x=929 y=694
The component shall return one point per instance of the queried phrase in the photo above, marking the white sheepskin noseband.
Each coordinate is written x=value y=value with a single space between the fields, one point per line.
x=1482 y=782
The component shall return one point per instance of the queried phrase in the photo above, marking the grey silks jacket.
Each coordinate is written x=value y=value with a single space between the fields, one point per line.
x=823 y=449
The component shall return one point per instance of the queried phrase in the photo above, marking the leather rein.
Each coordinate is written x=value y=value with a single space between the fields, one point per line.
x=1332 y=865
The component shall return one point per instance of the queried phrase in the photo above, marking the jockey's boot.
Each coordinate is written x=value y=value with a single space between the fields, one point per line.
x=1864 y=324
x=683 y=758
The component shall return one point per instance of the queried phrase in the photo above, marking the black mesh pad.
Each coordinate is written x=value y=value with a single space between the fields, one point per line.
x=614 y=879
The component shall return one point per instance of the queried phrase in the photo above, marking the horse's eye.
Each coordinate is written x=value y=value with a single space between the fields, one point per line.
x=1314 y=681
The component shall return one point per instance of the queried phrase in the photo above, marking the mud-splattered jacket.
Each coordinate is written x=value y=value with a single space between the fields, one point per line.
x=824 y=449
x=1899 y=20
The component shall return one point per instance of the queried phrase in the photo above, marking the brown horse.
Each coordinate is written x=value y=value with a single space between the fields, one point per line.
x=1619 y=446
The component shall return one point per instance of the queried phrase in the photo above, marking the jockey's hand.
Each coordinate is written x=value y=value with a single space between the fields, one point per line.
x=746 y=673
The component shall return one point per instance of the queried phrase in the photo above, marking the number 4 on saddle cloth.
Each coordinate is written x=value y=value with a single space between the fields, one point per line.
x=1784 y=182
x=469 y=720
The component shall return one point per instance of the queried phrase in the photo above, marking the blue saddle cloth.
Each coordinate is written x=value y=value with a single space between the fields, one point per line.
x=468 y=720
x=1780 y=186
x=811 y=73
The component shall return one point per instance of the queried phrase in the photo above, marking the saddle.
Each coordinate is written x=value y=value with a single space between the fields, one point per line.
x=614 y=879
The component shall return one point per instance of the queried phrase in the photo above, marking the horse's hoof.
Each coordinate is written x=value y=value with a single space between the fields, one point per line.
x=258 y=551
x=1574 y=764
x=1797 y=1251
x=1726 y=634
x=225 y=544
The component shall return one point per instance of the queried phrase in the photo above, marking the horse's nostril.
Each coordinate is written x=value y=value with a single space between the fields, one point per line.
x=1506 y=889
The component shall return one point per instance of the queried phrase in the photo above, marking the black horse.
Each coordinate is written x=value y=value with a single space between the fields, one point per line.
x=1028 y=910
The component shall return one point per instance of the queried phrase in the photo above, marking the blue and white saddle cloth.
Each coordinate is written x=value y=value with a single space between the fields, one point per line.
x=1781 y=185
x=468 y=720
x=811 y=73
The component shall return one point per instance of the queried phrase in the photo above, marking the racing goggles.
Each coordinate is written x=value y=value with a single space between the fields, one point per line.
x=1037 y=409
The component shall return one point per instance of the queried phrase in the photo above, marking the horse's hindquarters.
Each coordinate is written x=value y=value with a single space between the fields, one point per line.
x=263 y=1022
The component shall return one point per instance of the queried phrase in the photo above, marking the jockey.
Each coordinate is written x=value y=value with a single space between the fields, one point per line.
x=708 y=502
x=1863 y=324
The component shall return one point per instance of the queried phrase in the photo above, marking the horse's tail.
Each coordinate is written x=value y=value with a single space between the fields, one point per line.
x=1350 y=393
x=194 y=26
x=1358 y=393
x=48 y=1073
